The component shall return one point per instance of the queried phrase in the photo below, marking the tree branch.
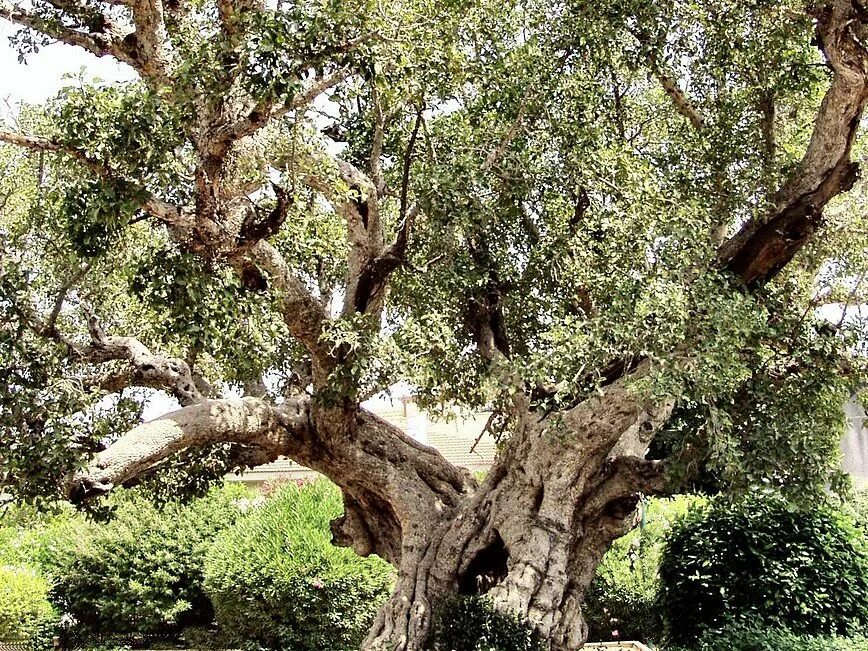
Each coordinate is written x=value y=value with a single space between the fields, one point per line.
x=264 y=112
x=164 y=211
x=303 y=314
x=150 y=370
x=679 y=98
x=670 y=85
x=377 y=142
x=764 y=246
x=108 y=41
x=62 y=292
x=149 y=43
x=248 y=421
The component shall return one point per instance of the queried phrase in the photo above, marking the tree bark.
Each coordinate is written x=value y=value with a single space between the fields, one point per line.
x=532 y=535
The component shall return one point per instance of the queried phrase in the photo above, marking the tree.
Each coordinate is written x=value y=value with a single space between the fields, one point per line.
x=609 y=222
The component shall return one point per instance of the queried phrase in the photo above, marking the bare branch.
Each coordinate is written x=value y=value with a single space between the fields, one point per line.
x=670 y=85
x=150 y=41
x=73 y=279
x=264 y=112
x=405 y=179
x=170 y=373
x=679 y=98
x=109 y=41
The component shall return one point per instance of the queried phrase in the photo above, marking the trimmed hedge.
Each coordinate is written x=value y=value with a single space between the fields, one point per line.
x=758 y=638
x=141 y=572
x=277 y=582
x=763 y=561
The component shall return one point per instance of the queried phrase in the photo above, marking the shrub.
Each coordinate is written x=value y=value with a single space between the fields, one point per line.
x=762 y=560
x=27 y=534
x=622 y=601
x=142 y=571
x=276 y=580
x=857 y=508
x=472 y=624
x=25 y=612
x=759 y=638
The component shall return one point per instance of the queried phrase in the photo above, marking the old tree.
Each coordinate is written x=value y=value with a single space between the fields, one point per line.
x=611 y=223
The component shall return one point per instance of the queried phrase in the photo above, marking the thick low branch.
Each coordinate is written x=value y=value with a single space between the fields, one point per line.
x=248 y=421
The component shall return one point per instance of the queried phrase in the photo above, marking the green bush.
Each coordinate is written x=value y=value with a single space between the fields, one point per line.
x=27 y=534
x=622 y=601
x=759 y=638
x=472 y=624
x=25 y=612
x=762 y=560
x=857 y=508
x=141 y=571
x=277 y=582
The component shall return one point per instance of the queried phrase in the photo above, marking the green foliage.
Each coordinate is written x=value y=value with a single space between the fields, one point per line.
x=127 y=127
x=472 y=624
x=277 y=582
x=622 y=602
x=48 y=423
x=762 y=638
x=97 y=211
x=142 y=570
x=25 y=612
x=556 y=186
x=238 y=328
x=28 y=534
x=857 y=508
x=762 y=559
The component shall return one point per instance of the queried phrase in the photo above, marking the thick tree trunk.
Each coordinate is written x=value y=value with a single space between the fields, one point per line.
x=532 y=535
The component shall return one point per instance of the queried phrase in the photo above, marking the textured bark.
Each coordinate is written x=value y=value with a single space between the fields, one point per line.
x=532 y=535
x=248 y=421
x=764 y=246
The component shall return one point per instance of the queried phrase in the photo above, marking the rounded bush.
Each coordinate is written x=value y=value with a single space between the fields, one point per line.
x=763 y=561
x=142 y=571
x=25 y=612
x=472 y=624
x=277 y=582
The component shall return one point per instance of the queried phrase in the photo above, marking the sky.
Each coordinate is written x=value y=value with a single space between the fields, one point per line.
x=45 y=72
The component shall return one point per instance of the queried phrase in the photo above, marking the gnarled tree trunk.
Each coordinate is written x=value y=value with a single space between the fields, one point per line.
x=531 y=536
